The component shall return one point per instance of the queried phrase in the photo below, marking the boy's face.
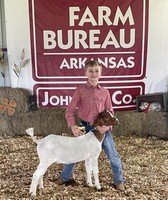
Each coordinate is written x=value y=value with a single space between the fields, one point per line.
x=93 y=72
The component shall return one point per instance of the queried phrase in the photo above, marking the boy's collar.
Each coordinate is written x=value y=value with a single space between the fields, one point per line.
x=88 y=85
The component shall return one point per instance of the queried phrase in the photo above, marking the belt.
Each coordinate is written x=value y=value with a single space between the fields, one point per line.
x=83 y=123
x=88 y=126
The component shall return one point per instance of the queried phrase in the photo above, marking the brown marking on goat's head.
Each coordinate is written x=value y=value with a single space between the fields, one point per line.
x=106 y=118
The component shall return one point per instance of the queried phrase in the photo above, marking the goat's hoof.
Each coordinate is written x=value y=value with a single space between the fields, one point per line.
x=98 y=188
x=89 y=185
x=33 y=194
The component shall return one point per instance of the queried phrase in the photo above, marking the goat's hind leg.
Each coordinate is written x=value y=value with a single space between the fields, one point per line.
x=34 y=183
x=41 y=183
x=38 y=178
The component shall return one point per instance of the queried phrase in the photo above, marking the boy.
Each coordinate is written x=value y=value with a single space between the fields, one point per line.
x=91 y=99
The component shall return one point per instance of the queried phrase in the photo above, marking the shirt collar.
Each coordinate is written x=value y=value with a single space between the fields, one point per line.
x=88 y=85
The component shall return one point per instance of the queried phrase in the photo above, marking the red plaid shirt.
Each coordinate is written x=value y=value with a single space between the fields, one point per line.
x=90 y=101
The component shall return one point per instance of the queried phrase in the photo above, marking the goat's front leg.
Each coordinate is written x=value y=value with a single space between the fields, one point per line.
x=88 y=173
x=94 y=165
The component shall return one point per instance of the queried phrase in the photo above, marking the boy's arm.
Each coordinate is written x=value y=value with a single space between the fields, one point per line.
x=70 y=111
x=109 y=107
x=108 y=104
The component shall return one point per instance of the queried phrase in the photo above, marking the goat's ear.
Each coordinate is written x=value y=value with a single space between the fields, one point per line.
x=99 y=122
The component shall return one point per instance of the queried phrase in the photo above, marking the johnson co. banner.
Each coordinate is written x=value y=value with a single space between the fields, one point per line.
x=67 y=34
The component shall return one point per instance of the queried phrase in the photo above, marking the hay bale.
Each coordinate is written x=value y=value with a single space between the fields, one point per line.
x=5 y=126
x=45 y=121
x=144 y=124
x=52 y=120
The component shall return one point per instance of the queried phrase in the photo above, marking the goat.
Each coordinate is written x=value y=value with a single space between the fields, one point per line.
x=66 y=150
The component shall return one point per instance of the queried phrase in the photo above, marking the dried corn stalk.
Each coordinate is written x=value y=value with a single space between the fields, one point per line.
x=2 y=63
x=23 y=62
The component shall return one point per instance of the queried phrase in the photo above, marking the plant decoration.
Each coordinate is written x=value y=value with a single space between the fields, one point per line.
x=2 y=63
x=23 y=62
x=7 y=106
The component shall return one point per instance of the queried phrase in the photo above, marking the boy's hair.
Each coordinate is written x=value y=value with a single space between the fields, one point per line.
x=92 y=63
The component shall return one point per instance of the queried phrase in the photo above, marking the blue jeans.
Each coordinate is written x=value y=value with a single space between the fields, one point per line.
x=111 y=152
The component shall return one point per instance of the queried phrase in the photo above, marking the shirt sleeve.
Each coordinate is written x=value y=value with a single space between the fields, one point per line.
x=108 y=105
x=70 y=111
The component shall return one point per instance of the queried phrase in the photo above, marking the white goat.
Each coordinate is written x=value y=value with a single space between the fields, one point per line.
x=66 y=150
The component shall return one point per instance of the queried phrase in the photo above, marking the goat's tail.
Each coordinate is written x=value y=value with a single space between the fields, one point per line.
x=30 y=131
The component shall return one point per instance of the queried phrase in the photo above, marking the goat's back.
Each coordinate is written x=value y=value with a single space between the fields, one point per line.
x=63 y=149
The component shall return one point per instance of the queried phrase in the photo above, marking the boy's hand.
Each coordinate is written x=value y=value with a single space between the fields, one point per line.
x=76 y=131
x=103 y=129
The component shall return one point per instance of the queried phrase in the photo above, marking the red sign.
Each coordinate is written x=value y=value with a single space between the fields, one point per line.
x=66 y=34
x=123 y=95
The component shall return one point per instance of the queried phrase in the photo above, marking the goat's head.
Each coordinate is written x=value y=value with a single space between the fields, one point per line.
x=106 y=118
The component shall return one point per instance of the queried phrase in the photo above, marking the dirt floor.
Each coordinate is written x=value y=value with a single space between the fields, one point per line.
x=145 y=168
